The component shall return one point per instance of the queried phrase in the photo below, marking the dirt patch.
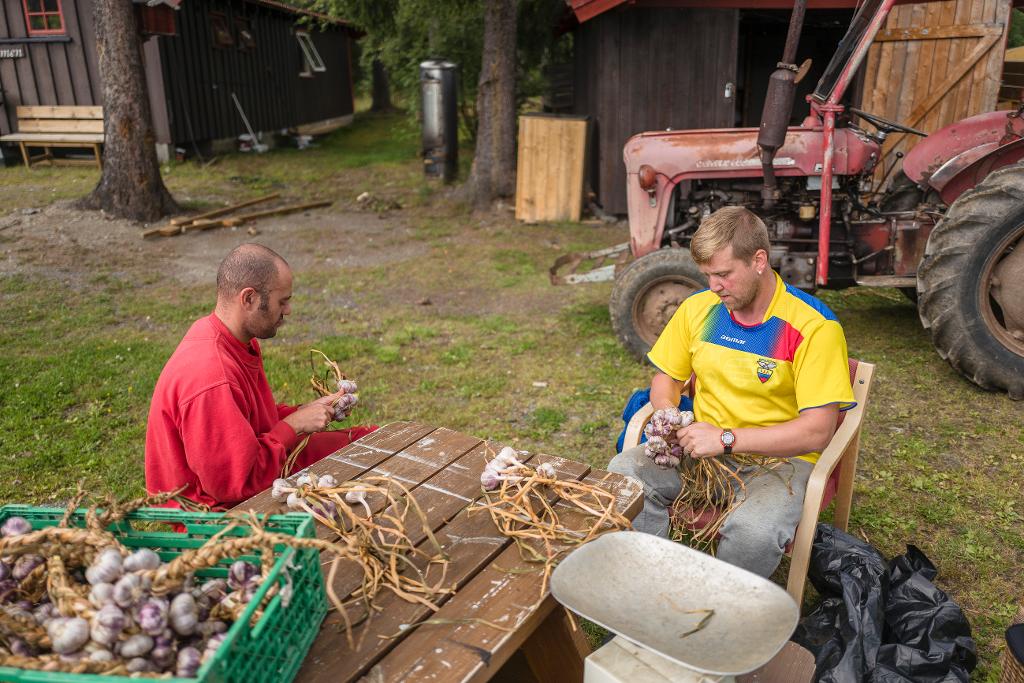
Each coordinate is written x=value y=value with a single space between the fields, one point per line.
x=447 y=273
x=71 y=246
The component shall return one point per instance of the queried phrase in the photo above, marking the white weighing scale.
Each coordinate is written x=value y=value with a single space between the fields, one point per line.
x=680 y=615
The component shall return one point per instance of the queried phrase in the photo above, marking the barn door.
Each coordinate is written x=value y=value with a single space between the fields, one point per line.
x=935 y=63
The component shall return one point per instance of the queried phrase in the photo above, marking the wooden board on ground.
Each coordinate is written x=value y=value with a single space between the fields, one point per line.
x=185 y=220
x=232 y=221
x=549 y=172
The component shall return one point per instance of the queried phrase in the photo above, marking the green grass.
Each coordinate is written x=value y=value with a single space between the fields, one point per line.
x=499 y=354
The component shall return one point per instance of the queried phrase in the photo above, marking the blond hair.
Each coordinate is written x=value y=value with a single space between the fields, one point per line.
x=733 y=225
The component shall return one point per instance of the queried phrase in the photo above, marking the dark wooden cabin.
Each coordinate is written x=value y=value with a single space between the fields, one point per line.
x=290 y=70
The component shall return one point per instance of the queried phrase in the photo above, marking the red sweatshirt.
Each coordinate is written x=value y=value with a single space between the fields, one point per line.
x=213 y=423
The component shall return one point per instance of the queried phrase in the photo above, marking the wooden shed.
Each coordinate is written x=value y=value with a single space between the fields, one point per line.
x=288 y=69
x=643 y=65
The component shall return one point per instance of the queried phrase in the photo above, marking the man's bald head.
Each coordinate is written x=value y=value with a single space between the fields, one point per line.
x=249 y=265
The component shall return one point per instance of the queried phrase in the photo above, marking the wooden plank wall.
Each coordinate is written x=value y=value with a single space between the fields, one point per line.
x=51 y=72
x=199 y=77
x=549 y=173
x=639 y=69
x=933 y=64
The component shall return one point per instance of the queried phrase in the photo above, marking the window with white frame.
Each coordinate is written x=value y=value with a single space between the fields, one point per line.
x=311 y=56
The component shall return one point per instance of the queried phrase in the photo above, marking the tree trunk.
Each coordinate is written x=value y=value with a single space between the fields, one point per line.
x=130 y=185
x=493 y=173
x=381 y=91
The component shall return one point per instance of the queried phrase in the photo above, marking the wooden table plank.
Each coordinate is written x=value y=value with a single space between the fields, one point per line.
x=506 y=593
x=414 y=465
x=352 y=460
x=410 y=466
x=470 y=541
x=440 y=498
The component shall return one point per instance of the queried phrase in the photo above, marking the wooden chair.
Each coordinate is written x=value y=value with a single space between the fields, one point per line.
x=832 y=476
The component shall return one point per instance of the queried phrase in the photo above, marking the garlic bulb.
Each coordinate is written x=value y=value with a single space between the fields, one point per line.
x=211 y=646
x=151 y=616
x=305 y=479
x=44 y=613
x=327 y=481
x=326 y=509
x=67 y=634
x=15 y=526
x=128 y=590
x=183 y=614
x=8 y=590
x=107 y=624
x=141 y=559
x=506 y=458
x=188 y=662
x=348 y=386
x=105 y=568
x=490 y=479
x=135 y=646
x=20 y=648
x=211 y=592
x=163 y=654
x=24 y=566
x=280 y=489
x=140 y=665
x=546 y=469
x=241 y=573
x=101 y=594
x=355 y=496
x=210 y=628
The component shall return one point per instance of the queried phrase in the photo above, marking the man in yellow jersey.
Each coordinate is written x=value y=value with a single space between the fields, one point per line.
x=771 y=377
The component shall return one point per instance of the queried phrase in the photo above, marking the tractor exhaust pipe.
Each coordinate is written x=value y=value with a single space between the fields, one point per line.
x=778 y=105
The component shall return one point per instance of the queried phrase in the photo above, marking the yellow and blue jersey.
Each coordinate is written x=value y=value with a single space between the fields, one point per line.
x=757 y=375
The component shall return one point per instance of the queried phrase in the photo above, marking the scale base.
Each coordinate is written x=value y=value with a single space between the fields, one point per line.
x=620 y=661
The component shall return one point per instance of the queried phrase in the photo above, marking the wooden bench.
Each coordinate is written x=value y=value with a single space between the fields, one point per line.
x=50 y=127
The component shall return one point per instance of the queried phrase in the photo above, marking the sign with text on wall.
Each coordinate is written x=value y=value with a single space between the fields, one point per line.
x=12 y=52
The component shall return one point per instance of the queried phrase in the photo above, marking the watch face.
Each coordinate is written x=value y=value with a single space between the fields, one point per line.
x=728 y=438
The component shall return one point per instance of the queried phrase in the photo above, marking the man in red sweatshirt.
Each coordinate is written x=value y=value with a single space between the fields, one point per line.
x=214 y=426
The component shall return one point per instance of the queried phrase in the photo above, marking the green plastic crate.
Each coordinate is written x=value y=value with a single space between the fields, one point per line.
x=272 y=651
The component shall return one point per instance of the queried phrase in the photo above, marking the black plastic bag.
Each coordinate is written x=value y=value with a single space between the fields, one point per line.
x=881 y=622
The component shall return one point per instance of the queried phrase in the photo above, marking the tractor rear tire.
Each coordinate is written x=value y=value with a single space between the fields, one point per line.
x=648 y=292
x=970 y=285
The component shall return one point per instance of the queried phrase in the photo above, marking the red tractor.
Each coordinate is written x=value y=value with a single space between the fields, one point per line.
x=948 y=231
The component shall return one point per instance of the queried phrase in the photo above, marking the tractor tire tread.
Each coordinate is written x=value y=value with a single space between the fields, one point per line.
x=943 y=278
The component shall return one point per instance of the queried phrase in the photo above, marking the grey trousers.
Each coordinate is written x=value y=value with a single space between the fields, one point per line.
x=755 y=534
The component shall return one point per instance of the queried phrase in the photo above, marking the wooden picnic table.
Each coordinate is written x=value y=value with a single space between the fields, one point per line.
x=493 y=583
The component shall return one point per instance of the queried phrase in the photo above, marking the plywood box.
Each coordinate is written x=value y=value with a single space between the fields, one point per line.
x=549 y=174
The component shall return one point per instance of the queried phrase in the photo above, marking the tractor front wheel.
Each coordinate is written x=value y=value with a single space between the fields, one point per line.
x=970 y=285
x=648 y=292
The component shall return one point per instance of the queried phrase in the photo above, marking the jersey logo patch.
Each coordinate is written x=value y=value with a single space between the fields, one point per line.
x=764 y=369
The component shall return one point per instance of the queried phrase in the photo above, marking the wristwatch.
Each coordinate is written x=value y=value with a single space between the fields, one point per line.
x=728 y=439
